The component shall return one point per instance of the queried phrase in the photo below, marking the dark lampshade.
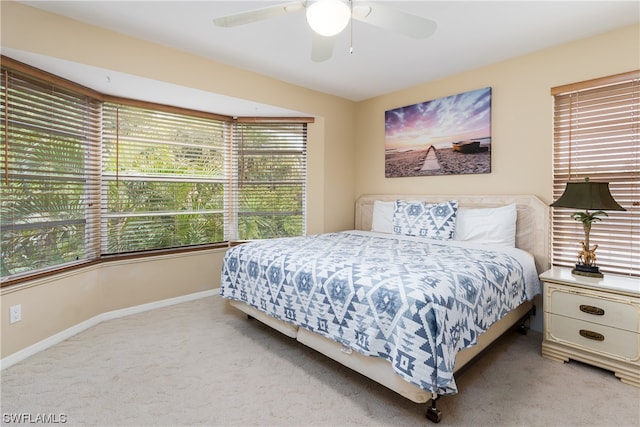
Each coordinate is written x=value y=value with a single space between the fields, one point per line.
x=587 y=195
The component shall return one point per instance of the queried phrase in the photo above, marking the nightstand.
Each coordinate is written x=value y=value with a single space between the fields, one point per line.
x=593 y=320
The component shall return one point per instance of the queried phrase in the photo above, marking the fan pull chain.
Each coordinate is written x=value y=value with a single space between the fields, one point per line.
x=351 y=28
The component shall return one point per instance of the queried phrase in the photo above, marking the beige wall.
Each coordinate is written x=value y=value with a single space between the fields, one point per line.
x=522 y=109
x=53 y=304
x=521 y=163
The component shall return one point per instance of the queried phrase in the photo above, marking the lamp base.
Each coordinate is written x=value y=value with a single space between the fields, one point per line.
x=587 y=270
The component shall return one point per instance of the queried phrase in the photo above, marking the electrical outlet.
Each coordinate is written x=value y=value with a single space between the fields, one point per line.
x=15 y=313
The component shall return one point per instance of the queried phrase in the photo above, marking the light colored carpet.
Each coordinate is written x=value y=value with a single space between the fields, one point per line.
x=203 y=363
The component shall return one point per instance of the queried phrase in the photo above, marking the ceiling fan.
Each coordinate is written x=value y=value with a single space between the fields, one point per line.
x=330 y=17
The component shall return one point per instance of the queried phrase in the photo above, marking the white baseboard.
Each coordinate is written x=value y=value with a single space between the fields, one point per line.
x=89 y=323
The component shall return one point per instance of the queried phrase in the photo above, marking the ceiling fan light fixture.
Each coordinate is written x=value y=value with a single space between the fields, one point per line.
x=328 y=17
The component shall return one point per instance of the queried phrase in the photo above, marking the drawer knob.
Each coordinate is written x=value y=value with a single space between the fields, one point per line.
x=590 y=309
x=591 y=335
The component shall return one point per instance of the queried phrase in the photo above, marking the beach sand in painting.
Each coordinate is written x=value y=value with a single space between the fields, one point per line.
x=410 y=162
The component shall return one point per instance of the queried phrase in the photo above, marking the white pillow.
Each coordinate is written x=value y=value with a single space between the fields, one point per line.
x=495 y=226
x=382 y=220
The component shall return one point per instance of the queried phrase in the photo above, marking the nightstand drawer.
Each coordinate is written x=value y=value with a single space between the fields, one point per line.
x=601 y=310
x=612 y=342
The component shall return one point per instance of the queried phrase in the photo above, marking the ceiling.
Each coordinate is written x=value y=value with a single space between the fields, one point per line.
x=470 y=34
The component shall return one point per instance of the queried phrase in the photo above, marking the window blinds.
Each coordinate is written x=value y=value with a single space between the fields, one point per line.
x=163 y=179
x=596 y=135
x=86 y=175
x=50 y=174
x=270 y=176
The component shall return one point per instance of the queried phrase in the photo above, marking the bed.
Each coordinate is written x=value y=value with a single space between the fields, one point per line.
x=408 y=298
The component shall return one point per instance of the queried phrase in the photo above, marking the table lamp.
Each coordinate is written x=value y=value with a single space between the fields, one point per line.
x=589 y=196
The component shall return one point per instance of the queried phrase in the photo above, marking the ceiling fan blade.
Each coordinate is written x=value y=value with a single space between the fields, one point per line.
x=322 y=48
x=250 y=16
x=394 y=19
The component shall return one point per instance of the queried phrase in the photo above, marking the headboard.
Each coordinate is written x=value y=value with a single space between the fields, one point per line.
x=532 y=224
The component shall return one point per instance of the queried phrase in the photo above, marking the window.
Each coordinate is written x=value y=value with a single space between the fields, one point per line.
x=163 y=177
x=86 y=175
x=50 y=175
x=596 y=135
x=271 y=176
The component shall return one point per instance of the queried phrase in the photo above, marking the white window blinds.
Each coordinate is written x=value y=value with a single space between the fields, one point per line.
x=84 y=175
x=163 y=179
x=270 y=198
x=50 y=174
x=596 y=135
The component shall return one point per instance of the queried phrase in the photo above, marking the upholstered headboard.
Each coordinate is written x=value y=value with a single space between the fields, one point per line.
x=532 y=224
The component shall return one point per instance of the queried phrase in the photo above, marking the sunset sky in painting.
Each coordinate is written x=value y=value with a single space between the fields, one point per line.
x=439 y=122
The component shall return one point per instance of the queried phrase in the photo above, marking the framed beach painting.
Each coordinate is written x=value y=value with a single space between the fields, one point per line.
x=446 y=136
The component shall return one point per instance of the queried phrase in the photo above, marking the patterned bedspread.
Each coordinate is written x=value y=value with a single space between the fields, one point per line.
x=412 y=301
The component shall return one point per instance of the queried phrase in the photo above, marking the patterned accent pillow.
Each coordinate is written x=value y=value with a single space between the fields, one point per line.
x=433 y=221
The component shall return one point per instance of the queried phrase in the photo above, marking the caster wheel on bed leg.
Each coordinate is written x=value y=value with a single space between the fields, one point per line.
x=434 y=415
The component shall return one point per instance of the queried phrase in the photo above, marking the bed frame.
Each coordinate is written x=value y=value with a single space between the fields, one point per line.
x=532 y=235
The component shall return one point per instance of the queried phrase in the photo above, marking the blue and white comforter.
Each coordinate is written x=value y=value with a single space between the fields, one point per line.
x=412 y=301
